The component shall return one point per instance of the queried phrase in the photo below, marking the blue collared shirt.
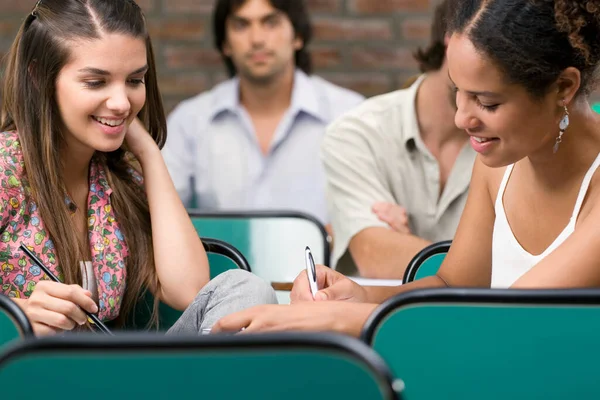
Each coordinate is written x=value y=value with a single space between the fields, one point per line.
x=212 y=150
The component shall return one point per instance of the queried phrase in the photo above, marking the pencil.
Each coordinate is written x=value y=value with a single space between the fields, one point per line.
x=53 y=277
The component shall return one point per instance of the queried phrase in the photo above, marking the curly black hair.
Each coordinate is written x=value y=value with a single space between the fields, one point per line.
x=533 y=41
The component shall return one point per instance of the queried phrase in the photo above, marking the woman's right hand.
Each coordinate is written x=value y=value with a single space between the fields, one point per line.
x=332 y=286
x=55 y=307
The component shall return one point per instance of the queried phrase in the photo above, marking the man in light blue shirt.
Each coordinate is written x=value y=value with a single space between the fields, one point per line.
x=252 y=142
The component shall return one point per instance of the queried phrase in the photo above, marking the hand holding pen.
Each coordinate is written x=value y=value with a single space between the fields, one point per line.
x=54 y=306
x=311 y=271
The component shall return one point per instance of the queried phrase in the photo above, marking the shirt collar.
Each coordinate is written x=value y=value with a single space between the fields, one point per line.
x=409 y=116
x=98 y=184
x=225 y=96
x=304 y=97
x=100 y=177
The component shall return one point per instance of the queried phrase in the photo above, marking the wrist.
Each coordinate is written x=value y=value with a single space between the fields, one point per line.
x=379 y=294
x=22 y=303
x=354 y=326
x=148 y=155
x=364 y=295
x=370 y=294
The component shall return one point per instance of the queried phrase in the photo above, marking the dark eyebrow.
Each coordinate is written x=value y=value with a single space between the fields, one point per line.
x=141 y=70
x=237 y=18
x=272 y=15
x=484 y=93
x=97 y=71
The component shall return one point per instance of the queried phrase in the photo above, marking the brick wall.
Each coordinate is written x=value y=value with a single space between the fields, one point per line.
x=365 y=45
x=362 y=44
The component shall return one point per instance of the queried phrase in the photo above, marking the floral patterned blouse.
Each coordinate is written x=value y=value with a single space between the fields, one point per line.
x=21 y=223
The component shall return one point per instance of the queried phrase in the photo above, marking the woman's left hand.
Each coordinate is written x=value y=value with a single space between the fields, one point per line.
x=342 y=317
x=138 y=140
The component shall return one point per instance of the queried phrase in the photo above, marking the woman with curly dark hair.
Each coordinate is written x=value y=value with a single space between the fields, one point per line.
x=523 y=71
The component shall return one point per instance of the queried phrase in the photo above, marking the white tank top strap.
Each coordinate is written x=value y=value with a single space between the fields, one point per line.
x=502 y=187
x=584 y=187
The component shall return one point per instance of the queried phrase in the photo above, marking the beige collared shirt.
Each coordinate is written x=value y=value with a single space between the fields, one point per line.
x=375 y=153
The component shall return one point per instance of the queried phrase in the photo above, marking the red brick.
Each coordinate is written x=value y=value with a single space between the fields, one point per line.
x=219 y=77
x=147 y=6
x=387 y=6
x=183 y=85
x=352 y=29
x=177 y=29
x=405 y=79
x=191 y=56
x=17 y=6
x=327 y=6
x=9 y=29
x=326 y=57
x=188 y=6
x=362 y=44
x=383 y=57
x=370 y=84
x=169 y=103
x=416 y=29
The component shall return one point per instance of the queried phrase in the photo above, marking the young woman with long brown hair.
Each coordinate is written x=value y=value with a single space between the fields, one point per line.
x=72 y=155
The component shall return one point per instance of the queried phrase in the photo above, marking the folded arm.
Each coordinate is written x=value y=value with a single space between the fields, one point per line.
x=356 y=183
x=384 y=253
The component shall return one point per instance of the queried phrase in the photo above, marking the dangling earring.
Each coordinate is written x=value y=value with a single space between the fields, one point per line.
x=564 y=124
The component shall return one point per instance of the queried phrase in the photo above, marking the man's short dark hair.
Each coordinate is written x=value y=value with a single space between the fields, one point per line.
x=432 y=57
x=295 y=10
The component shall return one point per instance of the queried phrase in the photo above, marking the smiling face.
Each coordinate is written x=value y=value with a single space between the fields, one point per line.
x=261 y=41
x=504 y=121
x=101 y=90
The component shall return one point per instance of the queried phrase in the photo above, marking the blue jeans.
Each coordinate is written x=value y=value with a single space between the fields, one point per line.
x=227 y=293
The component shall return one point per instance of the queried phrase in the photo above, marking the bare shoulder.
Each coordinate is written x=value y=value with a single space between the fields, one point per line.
x=591 y=203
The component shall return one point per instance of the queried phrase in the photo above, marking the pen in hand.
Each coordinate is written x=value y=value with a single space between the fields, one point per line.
x=311 y=272
x=53 y=277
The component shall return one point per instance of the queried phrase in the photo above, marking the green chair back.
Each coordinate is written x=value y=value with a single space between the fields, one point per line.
x=219 y=264
x=222 y=256
x=490 y=344
x=13 y=322
x=277 y=366
x=272 y=241
x=427 y=261
x=596 y=107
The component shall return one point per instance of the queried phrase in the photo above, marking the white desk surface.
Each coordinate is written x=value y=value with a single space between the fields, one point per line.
x=376 y=282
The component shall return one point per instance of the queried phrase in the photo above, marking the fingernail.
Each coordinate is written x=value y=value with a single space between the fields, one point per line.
x=95 y=308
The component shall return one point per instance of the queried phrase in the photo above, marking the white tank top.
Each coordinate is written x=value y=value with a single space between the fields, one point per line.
x=510 y=260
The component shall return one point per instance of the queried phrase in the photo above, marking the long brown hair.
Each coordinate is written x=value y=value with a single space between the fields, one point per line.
x=39 y=52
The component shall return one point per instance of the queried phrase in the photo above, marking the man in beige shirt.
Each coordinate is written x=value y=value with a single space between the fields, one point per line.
x=398 y=171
